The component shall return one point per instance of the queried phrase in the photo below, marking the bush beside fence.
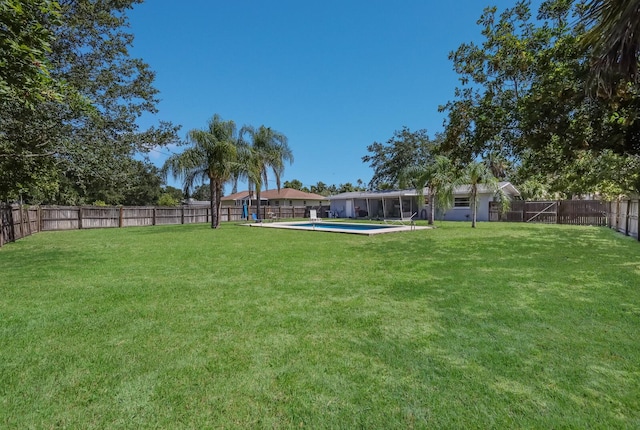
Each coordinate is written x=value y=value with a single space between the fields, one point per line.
x=18 y=221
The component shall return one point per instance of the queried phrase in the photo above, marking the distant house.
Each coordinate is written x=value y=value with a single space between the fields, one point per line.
x=284 y=197
x=404 y=203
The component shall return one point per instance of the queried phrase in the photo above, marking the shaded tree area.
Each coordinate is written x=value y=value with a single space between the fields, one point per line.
x=75 y=142
x=528 y=96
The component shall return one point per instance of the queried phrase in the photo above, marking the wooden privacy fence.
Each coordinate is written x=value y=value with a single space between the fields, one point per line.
x=621 y=215
x=18 y=221
x=576 y=212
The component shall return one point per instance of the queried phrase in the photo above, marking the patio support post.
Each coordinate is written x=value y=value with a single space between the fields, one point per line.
x=368 y=208
x=401 y=211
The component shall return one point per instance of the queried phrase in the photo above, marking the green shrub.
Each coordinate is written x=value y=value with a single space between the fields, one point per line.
x=167 y=199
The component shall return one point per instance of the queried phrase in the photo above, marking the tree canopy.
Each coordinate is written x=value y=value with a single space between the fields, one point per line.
x=62 y=145
x=526 y=94
x=404 y=149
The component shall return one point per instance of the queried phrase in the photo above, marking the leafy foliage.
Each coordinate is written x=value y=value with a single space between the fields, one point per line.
x=296 y=185
x=212 y=156
x=403 y=150
x=614 y=34
x=266 y=151
x=25 y=40
x=167 y=199
x=525 y=99
x=440 y=176
x=477 y=174
x=63 y=147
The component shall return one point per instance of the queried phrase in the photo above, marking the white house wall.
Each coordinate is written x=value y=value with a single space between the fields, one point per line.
x=464 y=213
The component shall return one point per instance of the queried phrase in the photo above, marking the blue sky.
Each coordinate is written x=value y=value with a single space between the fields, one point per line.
x=332 y=75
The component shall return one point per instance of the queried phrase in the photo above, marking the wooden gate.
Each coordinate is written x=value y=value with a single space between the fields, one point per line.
x=575 y=212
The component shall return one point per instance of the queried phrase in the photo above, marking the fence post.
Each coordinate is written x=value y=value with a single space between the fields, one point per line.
x=153 y=216
x=80 y=217
x=2 y=225
x=524 y=211
x=20 y=222
x=120 y=217
x=626 y=220
x=182 y=215
x=558 y=221
x=28 y=223
x=638 y=221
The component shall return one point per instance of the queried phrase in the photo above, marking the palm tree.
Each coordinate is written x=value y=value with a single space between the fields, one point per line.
x=439 y=177
x=266 y=152
x=614 y=34
x=477 y=174
x=213 y=156
x=498 y=164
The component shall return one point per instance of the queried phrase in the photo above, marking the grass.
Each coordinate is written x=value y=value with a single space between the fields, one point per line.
x=507 y=325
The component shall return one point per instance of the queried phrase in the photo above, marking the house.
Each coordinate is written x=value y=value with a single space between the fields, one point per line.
x=404 y=203
x=284 y=197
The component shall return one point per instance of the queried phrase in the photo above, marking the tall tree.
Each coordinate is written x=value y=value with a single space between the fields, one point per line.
x=440 y=177
x=212 y=156
x=524 y=97
x=202 y=192
x=320 y=188
x=296 y=185
x=478 y=174
x=404 y=149
x=266 y=152
x=69 y=137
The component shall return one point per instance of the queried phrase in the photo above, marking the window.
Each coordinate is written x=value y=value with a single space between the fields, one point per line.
x=304 y=203
x=277 y=202
x=461 y=202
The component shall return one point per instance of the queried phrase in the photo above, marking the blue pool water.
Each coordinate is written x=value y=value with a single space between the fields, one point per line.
x=341 y=226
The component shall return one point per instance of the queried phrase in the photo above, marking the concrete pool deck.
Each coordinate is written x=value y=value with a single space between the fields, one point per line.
x=340 y=227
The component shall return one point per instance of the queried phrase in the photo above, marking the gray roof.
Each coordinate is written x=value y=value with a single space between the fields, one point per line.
x=459 y=190
x=374 y=194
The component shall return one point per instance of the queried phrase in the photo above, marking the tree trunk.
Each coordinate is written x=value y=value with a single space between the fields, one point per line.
x=218 y=202
x=215 y=212
x=473 y=208
x=258 y=201
x=432 y=208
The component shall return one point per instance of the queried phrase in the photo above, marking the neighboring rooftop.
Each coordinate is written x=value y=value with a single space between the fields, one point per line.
x=284 y=193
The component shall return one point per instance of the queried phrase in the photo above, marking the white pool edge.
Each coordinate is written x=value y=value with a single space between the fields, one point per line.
x=296 y=226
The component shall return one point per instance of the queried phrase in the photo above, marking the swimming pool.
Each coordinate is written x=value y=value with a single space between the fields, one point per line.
x=340 y=227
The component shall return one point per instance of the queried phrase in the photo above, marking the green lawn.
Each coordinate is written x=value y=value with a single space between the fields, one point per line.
x=507 y=325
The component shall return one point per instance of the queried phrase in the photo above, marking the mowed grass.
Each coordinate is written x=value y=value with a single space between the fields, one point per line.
x=504 y=326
